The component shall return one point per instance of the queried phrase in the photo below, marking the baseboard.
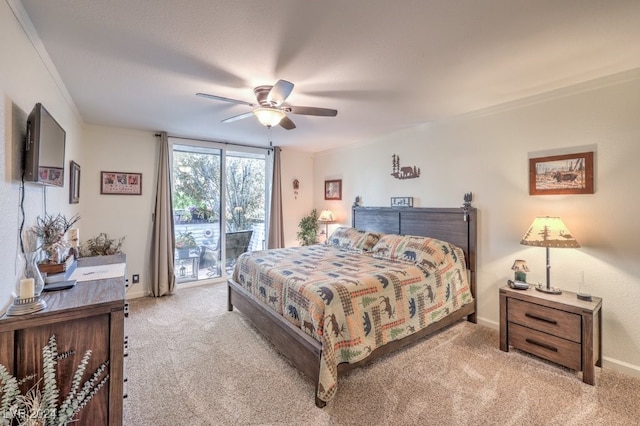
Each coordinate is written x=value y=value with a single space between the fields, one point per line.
x=607 y=362
x=621 y=366
x=488 y=323
x=135 y=294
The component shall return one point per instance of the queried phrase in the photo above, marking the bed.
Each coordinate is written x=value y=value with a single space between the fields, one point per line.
x=280 y=290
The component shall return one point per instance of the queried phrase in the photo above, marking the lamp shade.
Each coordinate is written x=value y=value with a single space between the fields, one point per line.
x=549 y=232
x=268 y=116
x=326 y=216
x=520 y=266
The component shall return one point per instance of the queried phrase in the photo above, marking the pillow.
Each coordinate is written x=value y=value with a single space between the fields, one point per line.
x=426 y=251
x=354 y=239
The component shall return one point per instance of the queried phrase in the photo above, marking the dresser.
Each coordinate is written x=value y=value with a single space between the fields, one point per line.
x=89 y=315
x=557 y=327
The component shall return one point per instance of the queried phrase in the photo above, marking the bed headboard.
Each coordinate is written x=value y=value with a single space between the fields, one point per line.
x=455 y=225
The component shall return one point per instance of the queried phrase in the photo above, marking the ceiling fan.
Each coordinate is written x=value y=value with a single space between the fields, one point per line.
x=270 y=108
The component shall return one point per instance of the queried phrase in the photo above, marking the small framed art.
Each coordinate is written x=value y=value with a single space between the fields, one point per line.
x=333 y=189
x=561 y=174
x=401 y=201
x=120 y=183
x=74 y=183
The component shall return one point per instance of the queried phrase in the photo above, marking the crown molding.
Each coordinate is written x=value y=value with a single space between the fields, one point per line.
x=32 y=34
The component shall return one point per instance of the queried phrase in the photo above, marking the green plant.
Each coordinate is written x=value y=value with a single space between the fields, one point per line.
x=308 y=233
x=40 y=407
x=185 y=239
x=101 y=245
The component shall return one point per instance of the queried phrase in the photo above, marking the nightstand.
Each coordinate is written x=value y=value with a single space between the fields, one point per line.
x=557 y=327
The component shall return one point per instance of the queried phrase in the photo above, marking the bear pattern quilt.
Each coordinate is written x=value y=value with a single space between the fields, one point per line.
x=355 y=301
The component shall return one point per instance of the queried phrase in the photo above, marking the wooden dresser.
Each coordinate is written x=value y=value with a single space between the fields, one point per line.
x=87 y=316
x=558 y=327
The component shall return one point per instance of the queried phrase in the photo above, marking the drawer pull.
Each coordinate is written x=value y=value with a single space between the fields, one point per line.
x=543 y=345
x=550 y=321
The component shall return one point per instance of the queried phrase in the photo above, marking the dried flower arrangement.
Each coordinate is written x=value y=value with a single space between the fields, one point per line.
x=51 y=229
x=101 y=245
x=38 y=407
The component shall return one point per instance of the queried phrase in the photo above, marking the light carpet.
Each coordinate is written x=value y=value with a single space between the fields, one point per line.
x=193 y=363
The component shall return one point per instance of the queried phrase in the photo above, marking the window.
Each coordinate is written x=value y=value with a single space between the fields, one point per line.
x=207 y=176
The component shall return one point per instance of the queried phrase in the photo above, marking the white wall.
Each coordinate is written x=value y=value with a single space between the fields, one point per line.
x=295 y=165
x=24 y=81
x=129 y=216
x=487 y=153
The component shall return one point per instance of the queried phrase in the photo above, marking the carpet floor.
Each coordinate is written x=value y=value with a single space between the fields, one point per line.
x=193 y=363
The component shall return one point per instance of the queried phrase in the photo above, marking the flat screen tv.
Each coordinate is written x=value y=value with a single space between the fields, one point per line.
x=44 y=148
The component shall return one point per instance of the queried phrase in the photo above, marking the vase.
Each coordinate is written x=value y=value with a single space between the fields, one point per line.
x=31 y=271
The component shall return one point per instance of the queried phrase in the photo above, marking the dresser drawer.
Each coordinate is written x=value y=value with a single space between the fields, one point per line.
x=552 y=321
x=555 y=349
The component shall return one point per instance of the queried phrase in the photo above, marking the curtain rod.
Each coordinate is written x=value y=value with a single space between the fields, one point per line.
x=270 y=148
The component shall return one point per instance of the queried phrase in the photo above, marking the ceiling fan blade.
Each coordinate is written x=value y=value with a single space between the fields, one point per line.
x=279 y=92
x=238 y=117
x=287 y=123
x=324 y=112
x=222 y=98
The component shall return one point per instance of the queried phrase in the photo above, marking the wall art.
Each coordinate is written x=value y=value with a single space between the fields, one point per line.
x=405 y=172
x=561 y=174
x=74 y=183
x=120 y=183
x=333 y=189
x=401 y=201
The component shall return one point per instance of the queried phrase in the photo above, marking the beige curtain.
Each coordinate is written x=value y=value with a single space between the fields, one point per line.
x=276 y=231
x=163 y=280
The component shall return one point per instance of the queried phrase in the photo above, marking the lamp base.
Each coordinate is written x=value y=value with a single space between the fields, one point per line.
x=549 y=290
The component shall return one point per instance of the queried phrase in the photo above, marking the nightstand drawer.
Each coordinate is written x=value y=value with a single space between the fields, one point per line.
x=552 y=321
x=555 y=349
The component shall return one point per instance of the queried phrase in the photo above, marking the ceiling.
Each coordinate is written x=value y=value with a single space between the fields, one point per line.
x=384 y=65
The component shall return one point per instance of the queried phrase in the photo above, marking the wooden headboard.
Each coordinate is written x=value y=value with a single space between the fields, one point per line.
x=454 y=225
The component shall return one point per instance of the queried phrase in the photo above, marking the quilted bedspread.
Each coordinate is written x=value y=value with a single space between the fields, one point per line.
x=353 y=302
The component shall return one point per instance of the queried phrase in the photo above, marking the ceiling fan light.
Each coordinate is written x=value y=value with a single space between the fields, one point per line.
x=268 y=116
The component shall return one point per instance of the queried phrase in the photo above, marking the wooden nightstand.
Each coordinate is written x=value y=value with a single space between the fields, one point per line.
x=558 y=327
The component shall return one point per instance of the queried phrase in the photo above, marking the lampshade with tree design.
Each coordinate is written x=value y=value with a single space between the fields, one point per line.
x=549 y=232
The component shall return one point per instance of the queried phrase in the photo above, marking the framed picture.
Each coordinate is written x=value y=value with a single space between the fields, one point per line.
x=74 y=183
x=561 y=174
x=333 y=189
x=121 y=183
x=401 y=201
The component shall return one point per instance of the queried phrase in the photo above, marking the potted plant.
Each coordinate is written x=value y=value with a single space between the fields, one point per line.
x=185 y=242
x=308 y=233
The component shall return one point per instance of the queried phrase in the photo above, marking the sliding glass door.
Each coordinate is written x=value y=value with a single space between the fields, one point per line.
x=206 y=177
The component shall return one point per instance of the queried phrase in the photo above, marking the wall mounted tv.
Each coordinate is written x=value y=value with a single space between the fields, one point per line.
x=44 y=148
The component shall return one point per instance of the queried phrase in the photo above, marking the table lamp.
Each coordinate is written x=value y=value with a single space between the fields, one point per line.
x=326 y=217
x=520 y=267
x=549 y=232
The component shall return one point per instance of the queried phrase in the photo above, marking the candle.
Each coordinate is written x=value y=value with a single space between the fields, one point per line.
x=74 y=237
x=27 y=288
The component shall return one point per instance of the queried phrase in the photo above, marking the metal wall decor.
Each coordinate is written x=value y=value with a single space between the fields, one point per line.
x=406 y=172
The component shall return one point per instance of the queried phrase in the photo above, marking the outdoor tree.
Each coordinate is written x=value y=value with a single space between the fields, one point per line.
x=197 y=184
x=245 y=192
